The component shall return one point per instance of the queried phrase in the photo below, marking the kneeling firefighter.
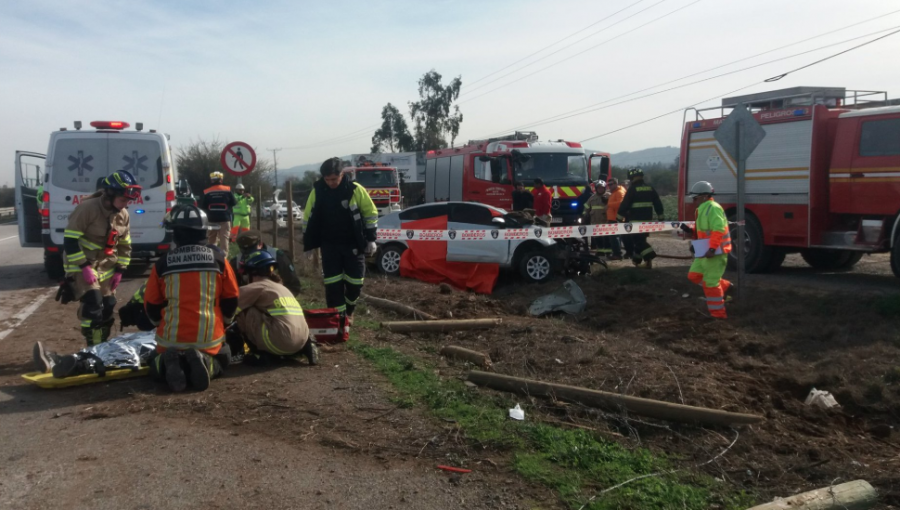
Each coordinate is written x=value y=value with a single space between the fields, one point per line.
x=97 y=243
x=269 y=316
x=707 y=270
x=199 y=293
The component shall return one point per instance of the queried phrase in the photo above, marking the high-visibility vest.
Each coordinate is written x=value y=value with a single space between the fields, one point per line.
x=712 y=224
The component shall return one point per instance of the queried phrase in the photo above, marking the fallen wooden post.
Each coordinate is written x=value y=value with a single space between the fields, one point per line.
x=397 y=307
x=478 y=358
x=855 y=495
x=595 y=398
x=440 y=326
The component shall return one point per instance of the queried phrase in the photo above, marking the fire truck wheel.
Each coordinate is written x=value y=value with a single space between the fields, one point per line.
x=824 y=259
x=53 y=264
x=535 y=267
x=757 y=256
x=389 y=260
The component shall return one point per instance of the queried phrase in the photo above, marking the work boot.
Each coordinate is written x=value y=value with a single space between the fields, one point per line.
x=649 y=263
x=175 y=377
x=70 y=366
x=636 y=261
x=106 y=329
x=311 y=351
x=199 y=370
x=43 y=360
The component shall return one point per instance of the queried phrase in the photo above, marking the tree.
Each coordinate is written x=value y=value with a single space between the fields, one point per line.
x=431 y=113
x=198 y=159
x=393 y=134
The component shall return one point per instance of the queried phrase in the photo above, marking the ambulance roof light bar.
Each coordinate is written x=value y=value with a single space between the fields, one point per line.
x=109 y=124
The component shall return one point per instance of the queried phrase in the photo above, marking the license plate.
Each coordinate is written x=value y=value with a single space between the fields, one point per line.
x=556 y=220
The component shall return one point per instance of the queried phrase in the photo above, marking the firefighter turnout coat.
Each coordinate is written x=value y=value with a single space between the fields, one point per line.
x=99 y=235
x=357 y=213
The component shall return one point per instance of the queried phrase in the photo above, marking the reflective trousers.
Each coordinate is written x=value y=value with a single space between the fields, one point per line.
x=707 y=272
x=241 y=224
x=344 y=271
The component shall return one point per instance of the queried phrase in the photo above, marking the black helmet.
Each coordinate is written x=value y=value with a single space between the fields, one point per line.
x=635 y=172
x=187 y=217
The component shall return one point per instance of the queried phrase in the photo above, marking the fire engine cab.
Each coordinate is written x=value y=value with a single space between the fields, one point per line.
x=486 y=171
x=824 y=182
x=382 y=182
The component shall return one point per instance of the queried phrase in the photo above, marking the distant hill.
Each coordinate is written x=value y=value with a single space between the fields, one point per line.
x=665 y=155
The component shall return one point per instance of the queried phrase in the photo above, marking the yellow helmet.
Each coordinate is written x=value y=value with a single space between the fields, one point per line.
x=216 y=176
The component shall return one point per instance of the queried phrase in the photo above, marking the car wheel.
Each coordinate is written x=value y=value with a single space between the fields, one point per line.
x=389 y=260
x=535 y=267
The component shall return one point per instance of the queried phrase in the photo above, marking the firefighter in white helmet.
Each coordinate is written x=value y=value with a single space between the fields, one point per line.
x=243 y=202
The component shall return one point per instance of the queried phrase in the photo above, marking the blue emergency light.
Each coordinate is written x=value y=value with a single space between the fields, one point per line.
x=139 y=211
x=573 y=204
x=799 y=112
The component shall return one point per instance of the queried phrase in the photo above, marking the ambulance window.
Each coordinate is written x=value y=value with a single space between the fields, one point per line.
x=880 y=138
x=79 y=164
x=143 y=158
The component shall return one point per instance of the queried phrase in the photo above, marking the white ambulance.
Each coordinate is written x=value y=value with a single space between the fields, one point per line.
x=76 y=161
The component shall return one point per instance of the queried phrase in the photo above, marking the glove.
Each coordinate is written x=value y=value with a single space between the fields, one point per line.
x=370 y=249
x=87 y=272
x=116 y=280
x=685 y=228
x=710 y=253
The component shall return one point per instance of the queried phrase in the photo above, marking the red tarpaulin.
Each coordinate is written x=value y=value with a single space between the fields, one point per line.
x=427 y=261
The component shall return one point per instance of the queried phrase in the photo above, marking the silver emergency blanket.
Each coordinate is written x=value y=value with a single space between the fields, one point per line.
x=124 y=351
x=569 y=299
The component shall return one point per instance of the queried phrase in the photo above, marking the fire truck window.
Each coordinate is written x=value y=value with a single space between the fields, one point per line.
x=376 y=178
x=423 y=212
x=880 y=138
x=471 y=214
x=554 y=169
x=495 y=170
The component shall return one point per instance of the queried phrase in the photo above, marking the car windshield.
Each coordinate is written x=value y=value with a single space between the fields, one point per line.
x=553 y=169
x=376 y=178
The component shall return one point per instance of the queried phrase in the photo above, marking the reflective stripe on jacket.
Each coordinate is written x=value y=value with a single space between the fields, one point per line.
x=88 y=232
x=713 y=224
x=359 y=209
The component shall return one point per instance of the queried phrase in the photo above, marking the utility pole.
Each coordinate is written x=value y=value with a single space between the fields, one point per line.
x=275 y=157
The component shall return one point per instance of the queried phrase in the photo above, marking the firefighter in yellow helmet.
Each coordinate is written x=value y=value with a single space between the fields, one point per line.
x=218 y=202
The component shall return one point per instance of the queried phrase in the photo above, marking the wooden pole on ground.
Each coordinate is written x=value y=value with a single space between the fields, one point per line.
x=387 y=304
x=855 y=495
x=478 y=358
x=290 y=220
x=440 y=326
x=259 y=209
x=595 y=398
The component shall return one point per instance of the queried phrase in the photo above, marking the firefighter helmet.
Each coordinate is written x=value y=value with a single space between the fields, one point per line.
x=121 y=182
x=188 y=217
x=600 y=183
x=635 y=172
x=216 y=176
x=702 y=188
x=239 y=187
x=259 y=263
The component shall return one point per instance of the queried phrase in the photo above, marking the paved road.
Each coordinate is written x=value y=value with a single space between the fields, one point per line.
x=22 y=278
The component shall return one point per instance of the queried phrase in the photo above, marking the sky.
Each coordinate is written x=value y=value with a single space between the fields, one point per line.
x=312 y=77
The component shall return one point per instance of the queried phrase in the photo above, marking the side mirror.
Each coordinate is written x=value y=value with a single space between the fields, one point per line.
x=500 y=222
x=484 y=158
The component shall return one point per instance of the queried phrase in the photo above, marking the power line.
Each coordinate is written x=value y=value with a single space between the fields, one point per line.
x=552 y=118
x=519 y=80
x=335 y=140
x=563 y=48
x=742 y=88
x=573 y=34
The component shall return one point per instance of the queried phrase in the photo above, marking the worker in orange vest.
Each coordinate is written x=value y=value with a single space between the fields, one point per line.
x=197 y=288
x=708 y=267
x=614 y=200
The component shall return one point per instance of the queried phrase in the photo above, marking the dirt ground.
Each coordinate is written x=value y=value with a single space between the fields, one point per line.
x=644 y=333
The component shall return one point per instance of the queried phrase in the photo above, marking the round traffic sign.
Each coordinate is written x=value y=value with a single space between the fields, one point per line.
x=238 y=158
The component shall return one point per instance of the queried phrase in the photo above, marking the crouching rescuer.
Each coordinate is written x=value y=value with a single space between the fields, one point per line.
x=342 y=221
x=97 y=242
x=707 y=269
x=269 y=317
x=191 y=295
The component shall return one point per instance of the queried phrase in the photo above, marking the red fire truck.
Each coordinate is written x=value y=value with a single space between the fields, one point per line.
x=825 y=181
x=485 y=171
x=382 y=182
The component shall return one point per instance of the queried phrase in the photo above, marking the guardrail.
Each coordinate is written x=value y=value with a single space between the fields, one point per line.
x=7 y=211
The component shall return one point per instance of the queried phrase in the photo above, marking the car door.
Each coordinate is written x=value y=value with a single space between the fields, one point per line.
x=30 y=174
x=472 y=216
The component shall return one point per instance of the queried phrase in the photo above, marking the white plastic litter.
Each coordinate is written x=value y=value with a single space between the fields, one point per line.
x=517 y=413
x=821 y=399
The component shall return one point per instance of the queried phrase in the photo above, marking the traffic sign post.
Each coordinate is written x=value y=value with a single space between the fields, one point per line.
x=740 y=134
x=238 y=159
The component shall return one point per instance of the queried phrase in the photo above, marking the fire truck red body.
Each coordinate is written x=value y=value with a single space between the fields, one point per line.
x=383 y=184
x=824 y=182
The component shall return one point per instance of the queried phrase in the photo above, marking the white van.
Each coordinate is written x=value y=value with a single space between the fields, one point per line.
x=76 y=161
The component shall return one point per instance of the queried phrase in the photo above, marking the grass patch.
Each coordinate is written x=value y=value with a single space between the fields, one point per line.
x=575 y=463
x=887 y=306
x=629 y=276
x=670 y=207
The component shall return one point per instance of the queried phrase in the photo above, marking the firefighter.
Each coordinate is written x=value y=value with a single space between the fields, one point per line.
x=595 y=214
x=243 y=201
x=133 y=313
x=97 y=243
x=251 y=241
x=341 y=220
x=522 y=198
x=269 y=316
x=197 y=290
x=614 y=201
x=637 y=206
x=543 y=201
x=218 y=202
x=707 y=270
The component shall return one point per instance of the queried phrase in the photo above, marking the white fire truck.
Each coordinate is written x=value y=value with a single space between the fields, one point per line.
x=824 y=182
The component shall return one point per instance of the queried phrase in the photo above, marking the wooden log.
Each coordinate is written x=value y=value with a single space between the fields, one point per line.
x=440 y=325
x=478 y=358
x=387 y=304
x=595 y=398
x=855 y=495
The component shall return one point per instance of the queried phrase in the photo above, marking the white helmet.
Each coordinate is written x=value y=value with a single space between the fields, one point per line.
x=702 y=188
x=239 y=187
x=600 y=183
